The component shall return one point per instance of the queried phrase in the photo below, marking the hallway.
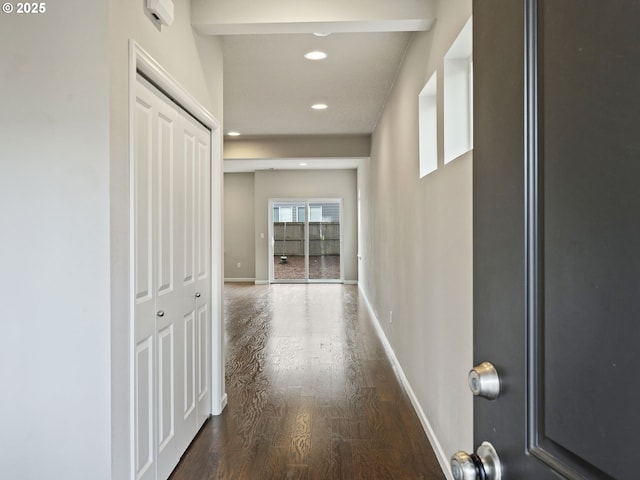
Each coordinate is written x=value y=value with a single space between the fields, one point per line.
x=311 y=394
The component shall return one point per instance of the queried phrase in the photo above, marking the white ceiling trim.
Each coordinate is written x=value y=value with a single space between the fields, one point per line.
x=240 y=165
x=242 y=16
x=403 y=25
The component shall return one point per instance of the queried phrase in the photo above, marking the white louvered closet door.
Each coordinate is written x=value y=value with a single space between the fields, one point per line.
x=171 y=190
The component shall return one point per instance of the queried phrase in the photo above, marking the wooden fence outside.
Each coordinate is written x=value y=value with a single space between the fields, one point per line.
x=324 y=238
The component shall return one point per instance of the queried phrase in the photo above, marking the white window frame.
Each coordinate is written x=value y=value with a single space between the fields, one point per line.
x=428 y=126
x=458 y=95
x=271 y=242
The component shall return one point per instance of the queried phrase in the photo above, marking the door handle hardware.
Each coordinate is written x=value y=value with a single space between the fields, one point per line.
x=160 y=313
x=198 y=295
x=484 y=381
x=482 y=465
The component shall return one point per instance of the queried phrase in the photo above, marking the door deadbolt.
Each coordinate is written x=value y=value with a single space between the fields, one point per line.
x=160 y=313
x=482 y=465
x=484 y=381
x=198 y=295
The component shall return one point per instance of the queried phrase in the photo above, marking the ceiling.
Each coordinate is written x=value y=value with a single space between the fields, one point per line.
x=269 y=86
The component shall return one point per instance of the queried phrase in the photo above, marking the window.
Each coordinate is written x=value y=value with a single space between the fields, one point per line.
x=427 y=124
x=458 y=95
x=286 y=214
x=315 y=213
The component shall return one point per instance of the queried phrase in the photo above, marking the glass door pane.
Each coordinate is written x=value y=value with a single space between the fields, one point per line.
x=324 y=240
x=289 y=241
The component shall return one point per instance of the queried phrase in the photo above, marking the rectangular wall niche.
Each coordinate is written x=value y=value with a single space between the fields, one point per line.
x=427 y=124
x=458 y=95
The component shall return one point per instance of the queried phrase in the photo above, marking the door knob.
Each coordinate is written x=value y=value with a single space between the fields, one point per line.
x=197 y=294
x=160 y=313
x=484 y=381
x=482 y=465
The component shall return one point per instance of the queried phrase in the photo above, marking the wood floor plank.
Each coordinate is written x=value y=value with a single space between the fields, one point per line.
x=311 y=394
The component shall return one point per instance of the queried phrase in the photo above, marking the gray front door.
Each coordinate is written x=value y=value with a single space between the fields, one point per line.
x=557 y=234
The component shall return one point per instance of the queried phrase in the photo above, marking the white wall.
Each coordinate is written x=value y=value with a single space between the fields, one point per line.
x=64 y=202
x=195 y=63
x=300 y=185
x=54 y=216
x=417 y=245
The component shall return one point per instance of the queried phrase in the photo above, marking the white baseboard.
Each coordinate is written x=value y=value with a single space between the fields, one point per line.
x=218 y=409
x=441 y=455
x=350 y=282
x=261 y=282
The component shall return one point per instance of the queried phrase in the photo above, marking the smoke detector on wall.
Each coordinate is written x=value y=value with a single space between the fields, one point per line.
x=162 y=10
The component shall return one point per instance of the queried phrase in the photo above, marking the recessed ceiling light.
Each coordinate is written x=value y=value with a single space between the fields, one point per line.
x=303 y=164
x=234 y=134
x=322 y=34
x=315 y=55
x=319 y=106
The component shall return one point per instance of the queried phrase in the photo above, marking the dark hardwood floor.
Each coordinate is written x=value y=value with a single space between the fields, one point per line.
x=311 y=394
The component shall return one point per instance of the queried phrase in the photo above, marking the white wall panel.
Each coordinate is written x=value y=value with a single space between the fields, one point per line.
x=165 y=199
x=189 y=371
x=203 y=349
x=144 y=410
x=189 y=158
x=202 y=202
x=143 y=201
x=166 y=386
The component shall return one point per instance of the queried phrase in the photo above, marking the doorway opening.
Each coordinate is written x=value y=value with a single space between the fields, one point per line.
x=306 y=241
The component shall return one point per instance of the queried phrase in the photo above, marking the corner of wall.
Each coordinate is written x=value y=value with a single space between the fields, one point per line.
x=417 y=246
x=196 y=63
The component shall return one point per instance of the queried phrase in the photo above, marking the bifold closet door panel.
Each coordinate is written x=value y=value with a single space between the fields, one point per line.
x=195 y=403
x=144 y=289
x=202 y=243
x=168 y=159
x=195 y=147
x=170 y=304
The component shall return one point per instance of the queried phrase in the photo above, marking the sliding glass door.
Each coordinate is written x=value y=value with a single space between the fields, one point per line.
x=324 y=240
x=306 y=240
x=289 y=245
